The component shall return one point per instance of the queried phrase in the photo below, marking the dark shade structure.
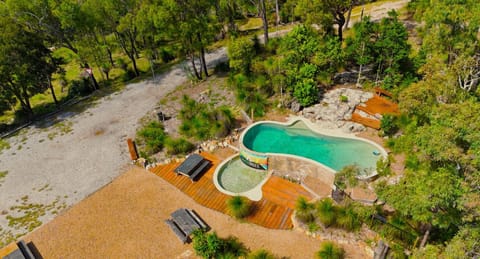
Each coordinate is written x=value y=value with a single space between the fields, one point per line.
x=184 y=222
x=193 y=166
x=23 y=252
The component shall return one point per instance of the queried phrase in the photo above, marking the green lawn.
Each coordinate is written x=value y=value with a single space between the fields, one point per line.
x=43 y=103
x=251 y=24
x=356 y=11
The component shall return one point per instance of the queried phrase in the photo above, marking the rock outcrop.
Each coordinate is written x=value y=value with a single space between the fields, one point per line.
x=336 y=108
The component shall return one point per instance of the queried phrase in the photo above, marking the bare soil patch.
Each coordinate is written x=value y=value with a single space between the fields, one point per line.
x=125 y=220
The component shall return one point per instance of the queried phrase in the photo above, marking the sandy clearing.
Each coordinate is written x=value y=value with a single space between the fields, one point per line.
x=125 y=220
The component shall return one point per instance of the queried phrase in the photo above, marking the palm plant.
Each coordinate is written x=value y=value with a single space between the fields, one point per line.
x=233 y=247
x=326 y=212
x=261 y=254
x=239 y=207
x=347 y=218
x=329 y=250
x=207 y=245
x=304 y=210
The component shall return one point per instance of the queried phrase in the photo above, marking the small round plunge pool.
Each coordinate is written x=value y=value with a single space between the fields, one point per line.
x=233 y=177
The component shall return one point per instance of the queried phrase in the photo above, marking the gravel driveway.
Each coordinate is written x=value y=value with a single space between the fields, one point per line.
x=51 y=168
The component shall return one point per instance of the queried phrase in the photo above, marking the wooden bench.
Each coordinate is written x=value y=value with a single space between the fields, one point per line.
x=174 y=227
x=184 y=222
x=193 y=166
x=23 y=252
x=199 y=169
x=199 y=220
x=132 y=149
x=27 y=253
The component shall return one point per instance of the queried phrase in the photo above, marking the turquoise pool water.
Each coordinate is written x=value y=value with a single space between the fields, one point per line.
x=298 y=139
x=236 y=177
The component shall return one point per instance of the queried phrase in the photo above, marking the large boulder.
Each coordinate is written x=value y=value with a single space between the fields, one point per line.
x=336 y=108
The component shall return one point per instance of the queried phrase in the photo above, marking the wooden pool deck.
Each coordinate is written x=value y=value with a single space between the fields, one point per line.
x=375 y=105
x=273 y=211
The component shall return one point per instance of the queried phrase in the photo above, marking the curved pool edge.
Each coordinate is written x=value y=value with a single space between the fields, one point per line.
x=254 y=194
x=315 y=128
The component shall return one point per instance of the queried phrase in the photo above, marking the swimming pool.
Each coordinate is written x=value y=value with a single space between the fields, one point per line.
x=299 y=140
x=233 y=177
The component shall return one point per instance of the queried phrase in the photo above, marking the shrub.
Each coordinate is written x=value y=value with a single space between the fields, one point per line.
x=248 y=94
x=178 y=146
x=233 y=248
x=347 y=177
x=166 y=55
x=241 y=53
x=304 y=210
x=383 y=166
x=313 y=227
x=211 y=246
x=261 y=254
x=273 y=45
x=122 y=64
x=302 y=205
x=79 y=88
x=152 y=136
x=364 y=213
x=239 y=207
x=6 y=104
x=347 y=218
x=252 y=101
x=326 y=212
x=306 y=217
x=202 y=121
x=221 y=67
x=224 y=121
x=306 y=92
x=330 y=250
x=388 y=125
x=129 y=75
x=207 y=245
x=343 y=98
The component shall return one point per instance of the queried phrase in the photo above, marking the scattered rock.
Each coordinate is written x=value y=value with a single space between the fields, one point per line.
x=353 y=127
x=345 y=77
x=349 y=77
x=142 y=162
x=295 y=106
x=204 y=97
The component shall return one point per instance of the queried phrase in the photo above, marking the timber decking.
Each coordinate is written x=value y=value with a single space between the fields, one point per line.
x=274 y=210
x=375 y=105
x=380 y=105
x=369 y=122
